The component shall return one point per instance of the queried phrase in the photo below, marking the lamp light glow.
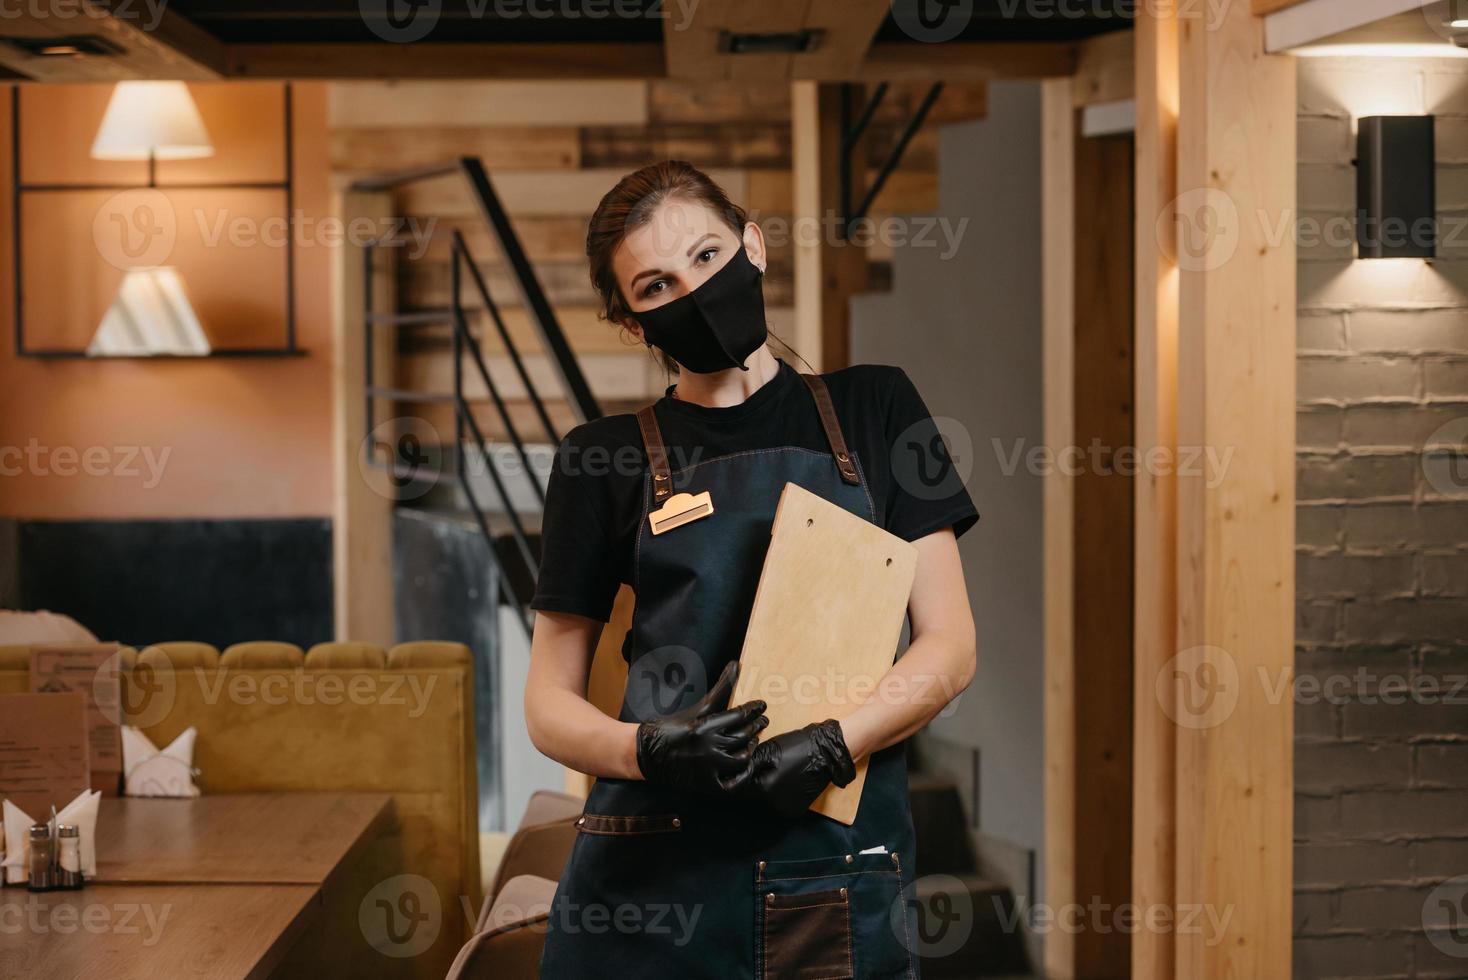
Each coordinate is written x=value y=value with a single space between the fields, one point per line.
x=147 y=120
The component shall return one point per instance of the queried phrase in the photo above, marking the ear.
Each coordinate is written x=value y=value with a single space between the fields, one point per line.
x=634 y=328
x=754 y=244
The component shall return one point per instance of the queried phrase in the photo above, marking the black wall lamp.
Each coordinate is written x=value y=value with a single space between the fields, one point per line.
x=1396 y=188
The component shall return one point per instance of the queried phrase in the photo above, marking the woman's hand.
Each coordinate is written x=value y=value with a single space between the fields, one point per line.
x=705 y=748
x=792 y=769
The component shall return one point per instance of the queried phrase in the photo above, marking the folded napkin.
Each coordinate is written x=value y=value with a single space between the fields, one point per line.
x=149 y=772
x=82 y=812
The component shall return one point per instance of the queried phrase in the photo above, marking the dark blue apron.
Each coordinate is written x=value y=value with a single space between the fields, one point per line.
x=663 y=885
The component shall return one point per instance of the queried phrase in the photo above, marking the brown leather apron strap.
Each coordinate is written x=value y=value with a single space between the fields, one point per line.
x=657 y=453
x=847 y=468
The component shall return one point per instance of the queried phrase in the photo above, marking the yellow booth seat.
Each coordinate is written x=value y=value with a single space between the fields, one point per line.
x=335 y=724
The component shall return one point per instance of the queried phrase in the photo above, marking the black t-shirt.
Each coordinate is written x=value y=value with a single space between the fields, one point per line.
x=594 y=498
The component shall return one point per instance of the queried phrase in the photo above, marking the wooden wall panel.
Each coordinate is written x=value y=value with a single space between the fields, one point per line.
x=416 y=104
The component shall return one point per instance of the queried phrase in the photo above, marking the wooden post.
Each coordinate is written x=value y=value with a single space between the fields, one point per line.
x=1155 y=511
x=1057 y=219
x=1236 y=529
x=362 y=512
x=828 y=269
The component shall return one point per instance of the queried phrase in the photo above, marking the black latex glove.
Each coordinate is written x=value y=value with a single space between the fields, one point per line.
x=706 y=748
x=792 y=769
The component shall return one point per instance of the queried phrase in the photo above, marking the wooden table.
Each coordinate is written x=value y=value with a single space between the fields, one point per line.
x=151 y=932
x=214 y=887
x=255 y=838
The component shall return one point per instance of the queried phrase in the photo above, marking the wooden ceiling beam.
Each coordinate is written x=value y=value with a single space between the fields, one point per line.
x=968 y=60
x=1105 y=69
x=384 y=61
x=155 y=43
x=954 y=60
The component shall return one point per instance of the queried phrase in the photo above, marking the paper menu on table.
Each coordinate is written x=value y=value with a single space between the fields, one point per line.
x=43 y=749
x=92 y=670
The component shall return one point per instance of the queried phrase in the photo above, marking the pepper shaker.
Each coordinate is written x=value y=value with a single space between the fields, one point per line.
x=42 y=857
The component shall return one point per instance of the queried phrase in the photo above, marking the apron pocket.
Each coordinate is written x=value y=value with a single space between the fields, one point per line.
x=608 y=825
x=870 y=885
x=807 y=936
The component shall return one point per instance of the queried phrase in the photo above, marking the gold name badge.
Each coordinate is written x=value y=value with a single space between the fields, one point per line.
x=680 y=509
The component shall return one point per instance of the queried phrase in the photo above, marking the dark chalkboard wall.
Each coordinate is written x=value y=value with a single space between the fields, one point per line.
x=219 y=581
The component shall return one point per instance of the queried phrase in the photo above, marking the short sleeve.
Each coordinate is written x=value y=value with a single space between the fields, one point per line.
x=577 y=573
x=927 y=488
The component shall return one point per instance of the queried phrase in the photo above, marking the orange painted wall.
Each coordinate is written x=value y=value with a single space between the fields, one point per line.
x=224 y=437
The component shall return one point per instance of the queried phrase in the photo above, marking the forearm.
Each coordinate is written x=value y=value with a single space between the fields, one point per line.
x=574 y=732
x=935 y=669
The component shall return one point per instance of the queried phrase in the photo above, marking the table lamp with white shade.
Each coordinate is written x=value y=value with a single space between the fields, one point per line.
x=151 y=314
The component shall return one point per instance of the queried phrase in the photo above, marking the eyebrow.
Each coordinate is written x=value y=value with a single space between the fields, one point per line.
x=657 y=272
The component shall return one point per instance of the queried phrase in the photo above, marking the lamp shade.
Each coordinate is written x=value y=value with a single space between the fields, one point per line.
x=151 y=119
x=151 y=315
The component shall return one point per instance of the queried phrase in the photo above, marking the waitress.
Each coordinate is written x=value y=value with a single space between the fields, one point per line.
x=697 y=855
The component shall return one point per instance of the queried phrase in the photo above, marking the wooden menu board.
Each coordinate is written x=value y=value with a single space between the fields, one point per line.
x=827 y=616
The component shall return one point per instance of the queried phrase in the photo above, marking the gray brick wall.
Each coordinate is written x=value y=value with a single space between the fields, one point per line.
x=1381 y=765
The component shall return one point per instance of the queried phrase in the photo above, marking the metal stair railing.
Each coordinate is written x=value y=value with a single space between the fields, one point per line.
x=468 y=434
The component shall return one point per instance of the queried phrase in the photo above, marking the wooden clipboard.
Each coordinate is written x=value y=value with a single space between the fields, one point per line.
x=827 y=616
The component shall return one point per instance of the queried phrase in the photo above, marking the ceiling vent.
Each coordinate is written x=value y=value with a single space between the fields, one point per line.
x=788 y=42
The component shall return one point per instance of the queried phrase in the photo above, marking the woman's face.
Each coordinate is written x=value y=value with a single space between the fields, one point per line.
x=675 y=252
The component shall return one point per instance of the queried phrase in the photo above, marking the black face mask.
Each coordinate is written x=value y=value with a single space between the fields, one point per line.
x=715 y=327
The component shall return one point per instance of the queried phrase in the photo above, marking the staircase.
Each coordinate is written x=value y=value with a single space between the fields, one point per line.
x=466 y=554
x=504 y=521
x=968 y=919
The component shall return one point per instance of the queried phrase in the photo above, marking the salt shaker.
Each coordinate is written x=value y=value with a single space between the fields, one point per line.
x=69 y=858
x=42 y=857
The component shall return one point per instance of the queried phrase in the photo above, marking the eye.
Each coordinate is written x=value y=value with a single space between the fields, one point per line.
x=654 y=287
x=707 y=255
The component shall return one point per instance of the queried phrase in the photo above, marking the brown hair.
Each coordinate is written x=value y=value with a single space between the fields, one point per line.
x=630 y=205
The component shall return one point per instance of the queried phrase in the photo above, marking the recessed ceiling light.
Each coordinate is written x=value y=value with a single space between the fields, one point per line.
x=76 y=46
